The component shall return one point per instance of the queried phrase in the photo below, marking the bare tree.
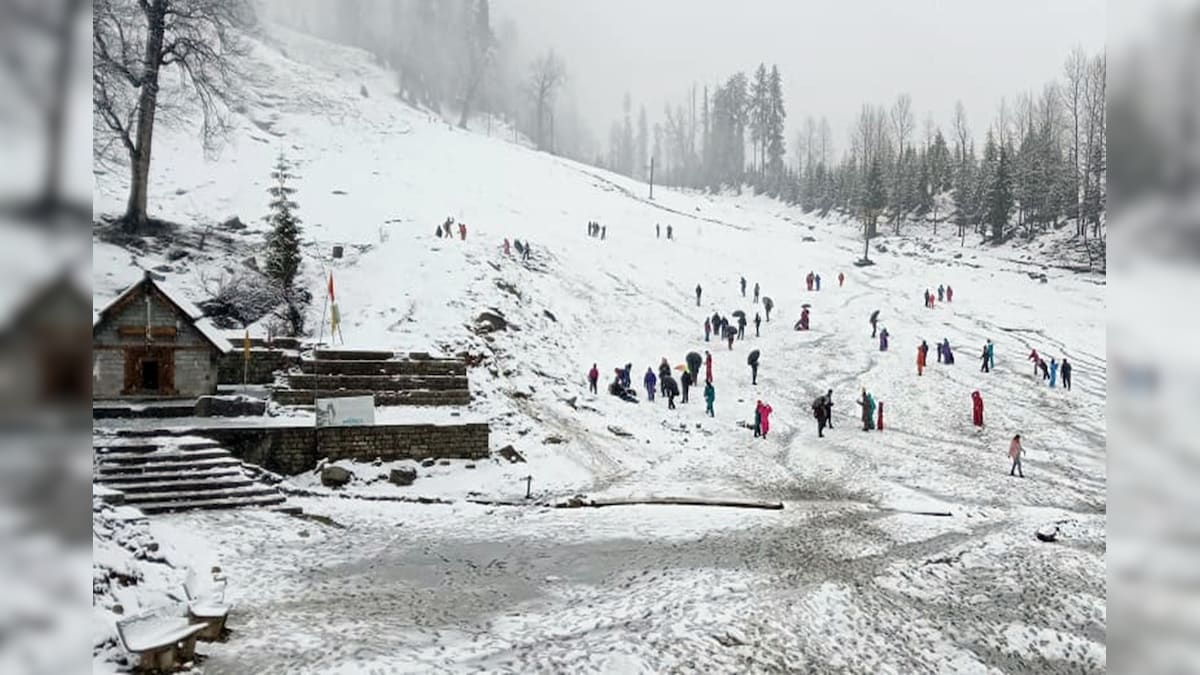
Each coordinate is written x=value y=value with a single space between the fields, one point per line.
x=962 y=131
x=1073 y=100
x=133 y=41
x=546 y=77
x=480 y=46
x=37 y=52
x=902 y=126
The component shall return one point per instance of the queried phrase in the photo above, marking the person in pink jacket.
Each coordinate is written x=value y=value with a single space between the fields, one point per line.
x=766 y=419
x=1015 y=451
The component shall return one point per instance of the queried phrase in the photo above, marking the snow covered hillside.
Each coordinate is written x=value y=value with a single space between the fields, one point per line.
x=845 y=577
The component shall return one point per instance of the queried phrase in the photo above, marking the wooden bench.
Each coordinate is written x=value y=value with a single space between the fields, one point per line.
x=163 y=639
x=206 y=602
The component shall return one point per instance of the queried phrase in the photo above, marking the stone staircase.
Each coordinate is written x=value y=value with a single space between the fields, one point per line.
x=162 y=474
x=393 y=379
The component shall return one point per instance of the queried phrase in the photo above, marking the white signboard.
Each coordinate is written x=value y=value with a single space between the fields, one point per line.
x=352 y=411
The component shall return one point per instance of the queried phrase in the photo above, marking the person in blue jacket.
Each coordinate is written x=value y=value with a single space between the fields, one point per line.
x=1053 y=371
x=650 y=381
x=991 y=355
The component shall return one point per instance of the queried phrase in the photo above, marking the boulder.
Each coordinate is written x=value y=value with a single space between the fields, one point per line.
x=230 y=406
x=402 y=476
x=428 y=462
x=233 y=223
x=490 y=322
x=510 y=453
x=335 y=476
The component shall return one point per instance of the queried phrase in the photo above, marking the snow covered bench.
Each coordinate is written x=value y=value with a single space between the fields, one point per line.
x=206 y=602
x=162 y=639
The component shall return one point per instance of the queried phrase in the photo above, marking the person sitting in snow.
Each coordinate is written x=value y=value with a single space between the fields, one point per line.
x=649 y=380
x=616 y=388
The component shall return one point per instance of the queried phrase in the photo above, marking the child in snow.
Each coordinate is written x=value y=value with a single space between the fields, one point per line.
x=710 y=395
x=1015 y=450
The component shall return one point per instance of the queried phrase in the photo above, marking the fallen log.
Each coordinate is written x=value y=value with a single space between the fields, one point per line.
x=670 y=501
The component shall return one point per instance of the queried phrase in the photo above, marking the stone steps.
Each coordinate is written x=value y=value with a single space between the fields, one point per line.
x=353 y=354
x=433 y=368
x=418 y=397
x=377 y=382
x=161 y=474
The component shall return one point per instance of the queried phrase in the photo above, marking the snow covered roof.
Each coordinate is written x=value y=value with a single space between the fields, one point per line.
x=202 y=324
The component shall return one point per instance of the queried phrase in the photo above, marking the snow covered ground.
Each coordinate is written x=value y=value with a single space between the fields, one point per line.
x=844 y=578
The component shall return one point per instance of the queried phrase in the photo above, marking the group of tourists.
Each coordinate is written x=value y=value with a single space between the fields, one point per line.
x=445 y=229
x=597 y=230
x=658 y=232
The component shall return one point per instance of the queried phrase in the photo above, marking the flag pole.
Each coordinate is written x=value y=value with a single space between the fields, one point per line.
x=317 y=381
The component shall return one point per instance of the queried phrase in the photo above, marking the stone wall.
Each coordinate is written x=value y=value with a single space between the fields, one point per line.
x=263 y=365
x=292 y=450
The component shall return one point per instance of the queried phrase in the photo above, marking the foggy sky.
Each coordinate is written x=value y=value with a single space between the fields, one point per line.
x=834 y=54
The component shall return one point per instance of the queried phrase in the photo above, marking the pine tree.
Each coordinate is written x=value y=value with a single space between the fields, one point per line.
x=999 y=196
x=283 y=243
x=758 y=109
x=774 y=121
x=642 y=158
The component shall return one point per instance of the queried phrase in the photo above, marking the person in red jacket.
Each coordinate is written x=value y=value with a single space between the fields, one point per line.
x=841 y=279
x=506 y=249
x=593 y=378
x=977 y=408
x=879 y=417
x=707 y=367
x=922 y=350
x=462 y=231
x=765 y=412
x=949 y=294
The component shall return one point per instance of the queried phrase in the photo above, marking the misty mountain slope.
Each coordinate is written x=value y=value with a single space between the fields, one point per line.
x=835 y=580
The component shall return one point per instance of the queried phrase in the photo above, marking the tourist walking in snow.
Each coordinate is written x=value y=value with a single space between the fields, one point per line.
x=1033 y=356
x=507 y=252
x=650 y=381
x=947 y=355
x=672 y=390
x=670 y=233
x=752 y=361
x=984 y=366
x=603 y=233
x=879 y=417
x=768 y=305
x=829 y=408
x=664 y=371
x=462 y=231
x=841 y=279
x=1066 y=374
x=941 y=292
x=874 y=321
x=757 y=323
x=741 y=333
x=922 y=350
x=698 y=289
x=949 y=294
x=528 y=251
x=977 y=408
x=710 y=395
x=883 y=340
x=593 y=378
x=743 y=287
x=821 y=412
x=627 y=374
x=756 y=292
x=1015 y=451
x=707 y=329
x=991 y=350
x=694 y=361
x=765 y=416
x=707 y=366
x=867 y=402
x=730 y=334
x=1053 y=371
x=1042 y=367
x=817 y=281
x=686 y=381
x=657 y=231
x=808 y=281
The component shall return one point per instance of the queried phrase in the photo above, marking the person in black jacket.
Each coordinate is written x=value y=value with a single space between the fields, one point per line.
x=1065 y=370
x=752 y=360
x=698 y=290
x=686 y=381
x=821 y=412
x=664 y=371
x=829 y=408
x=757 y=322
x=672 y=390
